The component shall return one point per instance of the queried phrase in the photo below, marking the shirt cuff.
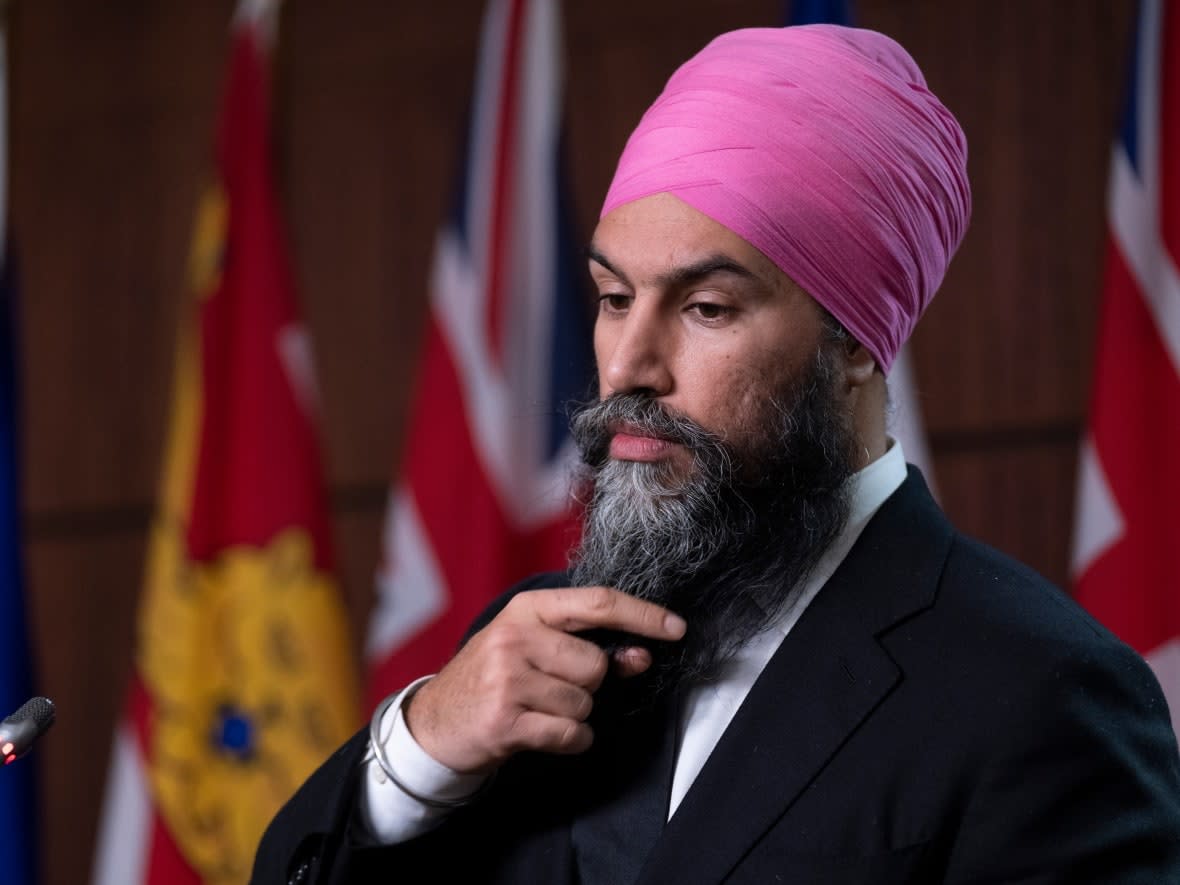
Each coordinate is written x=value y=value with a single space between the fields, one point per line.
x=388 y=813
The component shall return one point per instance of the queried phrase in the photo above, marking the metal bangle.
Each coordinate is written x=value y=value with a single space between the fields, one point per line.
x=377 y=753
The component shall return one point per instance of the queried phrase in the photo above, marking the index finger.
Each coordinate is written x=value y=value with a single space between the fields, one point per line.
x=582 y=608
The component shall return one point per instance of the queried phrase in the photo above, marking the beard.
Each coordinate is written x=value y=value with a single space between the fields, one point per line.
x=728 y=543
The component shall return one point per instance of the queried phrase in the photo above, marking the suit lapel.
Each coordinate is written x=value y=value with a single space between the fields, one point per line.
x=826 y=678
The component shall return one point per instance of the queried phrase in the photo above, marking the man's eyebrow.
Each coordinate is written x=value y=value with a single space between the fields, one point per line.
x=597 y=257
x=686 y=275
x=706 y=267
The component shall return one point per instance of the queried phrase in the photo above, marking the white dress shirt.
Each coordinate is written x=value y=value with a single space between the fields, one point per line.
x=392 y=816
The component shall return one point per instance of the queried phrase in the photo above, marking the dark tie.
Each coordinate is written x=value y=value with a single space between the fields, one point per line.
x=630 y=790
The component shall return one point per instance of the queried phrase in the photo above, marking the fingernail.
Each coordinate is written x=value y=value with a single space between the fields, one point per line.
x=675 y=625
x=630 y=655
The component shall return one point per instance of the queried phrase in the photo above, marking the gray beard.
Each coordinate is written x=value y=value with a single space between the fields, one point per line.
x=728 y=545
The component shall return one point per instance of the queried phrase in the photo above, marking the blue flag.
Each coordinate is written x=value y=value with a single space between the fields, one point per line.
x=18 y=817
x=817 y=12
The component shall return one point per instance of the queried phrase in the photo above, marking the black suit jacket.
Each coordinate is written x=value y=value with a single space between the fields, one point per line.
x=939 y=714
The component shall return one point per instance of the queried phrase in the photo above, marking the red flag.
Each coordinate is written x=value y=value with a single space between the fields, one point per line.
x=482 y=500
x=1127 y=545
x=243 y=678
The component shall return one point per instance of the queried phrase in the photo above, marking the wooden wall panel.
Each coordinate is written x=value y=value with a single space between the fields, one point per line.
x=85 y=584
x=1016 y=498
x=112 y=113
x=1007 y=341
x=358 y=553
x=107 y=158
x=102 y=255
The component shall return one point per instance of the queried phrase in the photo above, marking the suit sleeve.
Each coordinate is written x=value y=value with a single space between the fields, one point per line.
x=1086 y=785
x=305 y=838
x=314 y=837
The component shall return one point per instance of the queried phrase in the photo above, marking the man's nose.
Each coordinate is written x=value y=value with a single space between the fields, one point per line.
x=639 y=354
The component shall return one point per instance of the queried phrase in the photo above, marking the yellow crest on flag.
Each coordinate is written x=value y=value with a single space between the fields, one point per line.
x=247 y=662
x=208 y=247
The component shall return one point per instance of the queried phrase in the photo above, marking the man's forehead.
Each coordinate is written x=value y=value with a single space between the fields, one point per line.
x=661 y=237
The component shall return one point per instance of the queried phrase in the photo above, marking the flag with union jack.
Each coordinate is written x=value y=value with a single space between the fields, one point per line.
x=1126 y=541
x=482 y=497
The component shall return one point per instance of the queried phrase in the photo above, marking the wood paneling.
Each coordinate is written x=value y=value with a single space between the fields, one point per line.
x=1017 y=497
x=111 y=116
x=1035 y=86
x=84 y=588
x=112 y=113
x=359 y=521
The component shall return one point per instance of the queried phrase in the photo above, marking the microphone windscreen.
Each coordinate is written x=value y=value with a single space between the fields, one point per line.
x=40 y=711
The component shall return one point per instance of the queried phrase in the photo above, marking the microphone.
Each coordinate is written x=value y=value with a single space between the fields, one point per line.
x=22 y=728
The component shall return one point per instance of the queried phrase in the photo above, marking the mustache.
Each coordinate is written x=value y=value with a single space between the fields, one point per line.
x=594 y=423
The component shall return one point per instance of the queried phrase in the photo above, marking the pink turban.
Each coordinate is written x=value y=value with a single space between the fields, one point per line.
x=822 y=147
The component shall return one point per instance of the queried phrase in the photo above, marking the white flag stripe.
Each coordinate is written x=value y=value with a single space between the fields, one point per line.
x=410 y=589
x=298 y=362
x=1137 y=231
x=1147 y=97
x=482 y=151
x=906 y=421
x=534 y=246
x=126 y=818
x=1099 y=523
x=1165 y=661
x=262 y=15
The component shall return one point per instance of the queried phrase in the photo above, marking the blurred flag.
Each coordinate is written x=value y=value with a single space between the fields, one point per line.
x=481 y=500
x=905 y=423
x=1126 y=543
x=816 y=12
x=18 y=813
x=243 y=680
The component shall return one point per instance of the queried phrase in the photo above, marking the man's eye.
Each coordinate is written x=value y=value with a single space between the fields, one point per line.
x=614 y=302
x=707 y=310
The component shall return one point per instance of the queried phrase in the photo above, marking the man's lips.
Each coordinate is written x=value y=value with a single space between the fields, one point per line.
x=631 y=444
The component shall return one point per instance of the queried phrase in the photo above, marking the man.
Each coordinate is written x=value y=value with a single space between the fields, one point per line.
x=773 y=659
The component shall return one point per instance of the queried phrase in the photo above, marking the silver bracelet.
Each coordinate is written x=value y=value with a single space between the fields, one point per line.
x=377 y=753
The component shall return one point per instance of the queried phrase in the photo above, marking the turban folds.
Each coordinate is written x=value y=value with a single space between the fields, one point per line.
x=822 y=147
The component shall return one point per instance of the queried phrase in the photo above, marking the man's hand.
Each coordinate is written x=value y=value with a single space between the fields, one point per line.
x=524 y=682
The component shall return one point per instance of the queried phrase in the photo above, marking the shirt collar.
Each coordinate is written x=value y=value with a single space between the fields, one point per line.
x=873 y=484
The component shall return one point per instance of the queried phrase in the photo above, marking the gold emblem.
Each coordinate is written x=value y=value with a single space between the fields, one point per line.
x=247 y=660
